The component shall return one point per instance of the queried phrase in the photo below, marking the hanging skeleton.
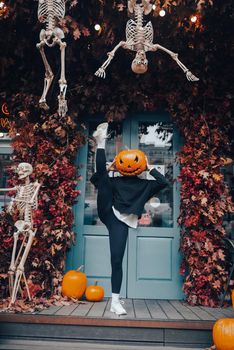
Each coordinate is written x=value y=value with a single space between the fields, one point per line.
x=50 y=12
x=139 y=38
x=25 y=201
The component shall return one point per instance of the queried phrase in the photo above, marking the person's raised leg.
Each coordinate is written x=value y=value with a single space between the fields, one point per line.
x=104 y=195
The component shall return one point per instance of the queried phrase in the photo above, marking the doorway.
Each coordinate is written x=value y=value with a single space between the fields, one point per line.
x=152 y=259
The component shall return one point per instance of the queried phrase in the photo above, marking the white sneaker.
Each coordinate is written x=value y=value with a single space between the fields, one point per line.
x=101 y=132
x=117 y=308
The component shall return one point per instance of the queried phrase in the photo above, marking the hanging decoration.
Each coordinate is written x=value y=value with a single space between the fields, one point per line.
x=24 y=202
x=139 y=38
x=50 y=12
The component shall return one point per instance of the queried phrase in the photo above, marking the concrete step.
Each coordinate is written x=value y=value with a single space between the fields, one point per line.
x=25 y=344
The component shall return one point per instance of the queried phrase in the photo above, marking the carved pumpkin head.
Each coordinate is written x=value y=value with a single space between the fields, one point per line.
x=131 y=162
x=140 y=63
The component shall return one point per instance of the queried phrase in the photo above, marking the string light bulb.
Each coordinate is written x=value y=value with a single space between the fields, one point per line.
x=162 y=13
x=193 y=18
x=3 y=9
x=97 y=27
x=154 y=7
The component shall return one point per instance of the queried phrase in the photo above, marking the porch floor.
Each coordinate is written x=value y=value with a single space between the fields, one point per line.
x=149 y=322
x=142 y=309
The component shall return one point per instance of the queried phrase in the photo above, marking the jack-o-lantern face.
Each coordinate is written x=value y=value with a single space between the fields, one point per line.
x=131 y=162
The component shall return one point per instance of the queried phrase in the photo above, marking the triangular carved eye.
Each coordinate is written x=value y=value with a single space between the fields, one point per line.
x=136 y=159
x=121 y=162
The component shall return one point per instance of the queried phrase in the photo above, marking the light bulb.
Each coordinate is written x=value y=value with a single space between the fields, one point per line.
x=193 y=18
x=154 y=7
x=162 y=13
x=97 y=27
x=2 y=4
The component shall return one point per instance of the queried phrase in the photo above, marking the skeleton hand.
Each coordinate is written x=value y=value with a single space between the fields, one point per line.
x=191 y=77
x=101 y=73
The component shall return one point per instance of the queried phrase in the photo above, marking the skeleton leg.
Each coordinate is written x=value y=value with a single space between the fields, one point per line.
x=48 y=76
x=131 y=5
x=101 y=71
x=20 y=268
x=147 y=6
x=174 y=55
x=12 y=267
x=62 y=109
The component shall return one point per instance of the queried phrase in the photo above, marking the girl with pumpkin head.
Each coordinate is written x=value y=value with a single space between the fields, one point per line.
x=121 y=200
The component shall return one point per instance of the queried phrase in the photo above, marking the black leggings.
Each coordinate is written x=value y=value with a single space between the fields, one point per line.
x=118 y=230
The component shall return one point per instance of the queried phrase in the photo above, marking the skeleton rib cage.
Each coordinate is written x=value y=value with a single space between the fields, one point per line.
x=22 y=201
x=50 y=11
x=137 y=33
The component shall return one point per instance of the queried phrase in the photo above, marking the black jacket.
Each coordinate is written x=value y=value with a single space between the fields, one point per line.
x=131 y=193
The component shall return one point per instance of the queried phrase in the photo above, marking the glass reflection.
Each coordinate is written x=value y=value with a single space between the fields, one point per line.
x=156 y=140
x=113 y=146
x=5 y=163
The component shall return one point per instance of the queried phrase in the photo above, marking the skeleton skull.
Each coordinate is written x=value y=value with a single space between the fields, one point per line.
x=140 y=63
x=23 y=170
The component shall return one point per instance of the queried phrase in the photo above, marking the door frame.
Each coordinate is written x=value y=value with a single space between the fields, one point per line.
x=75 y=256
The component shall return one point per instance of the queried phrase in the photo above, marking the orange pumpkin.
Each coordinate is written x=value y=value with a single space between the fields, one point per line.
x=223 y=334
x=74 y=284
x=94 y=293
x=131 y=162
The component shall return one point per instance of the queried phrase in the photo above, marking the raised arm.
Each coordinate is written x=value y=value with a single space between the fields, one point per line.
x=8 y=189
x=174 y=56
x=101 y=71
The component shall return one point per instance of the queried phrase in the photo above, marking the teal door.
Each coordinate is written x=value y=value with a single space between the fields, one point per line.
x=151 y=261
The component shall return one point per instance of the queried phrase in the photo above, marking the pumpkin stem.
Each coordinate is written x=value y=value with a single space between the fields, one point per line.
x=81 y=267
x=96 y=282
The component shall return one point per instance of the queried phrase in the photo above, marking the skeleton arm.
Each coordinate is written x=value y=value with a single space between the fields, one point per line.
x=174 y=55
x=37 y=187
x=101 y=71
x=8 y=189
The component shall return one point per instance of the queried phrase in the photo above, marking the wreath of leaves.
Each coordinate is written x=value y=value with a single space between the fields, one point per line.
x=200 y=110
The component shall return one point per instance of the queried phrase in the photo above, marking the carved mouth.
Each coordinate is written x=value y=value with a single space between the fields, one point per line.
x=130 y=172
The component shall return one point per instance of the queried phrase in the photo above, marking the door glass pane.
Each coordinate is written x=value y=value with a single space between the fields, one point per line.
x=156 y=140
x=113 y=146
x=5 y=163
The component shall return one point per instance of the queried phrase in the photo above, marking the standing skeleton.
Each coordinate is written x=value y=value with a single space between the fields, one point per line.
x=25 y=201
x=139 y=38
x=50 y=12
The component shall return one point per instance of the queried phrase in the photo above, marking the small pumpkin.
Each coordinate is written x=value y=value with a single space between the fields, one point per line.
x=74 y=283
x=94 y=292
x=223 y=334
x=131 y=162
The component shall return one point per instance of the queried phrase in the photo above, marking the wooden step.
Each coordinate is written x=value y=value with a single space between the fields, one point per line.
x=149 y=322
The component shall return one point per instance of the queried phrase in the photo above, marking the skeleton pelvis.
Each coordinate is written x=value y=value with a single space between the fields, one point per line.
x=50 y=36
x=22 y=225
